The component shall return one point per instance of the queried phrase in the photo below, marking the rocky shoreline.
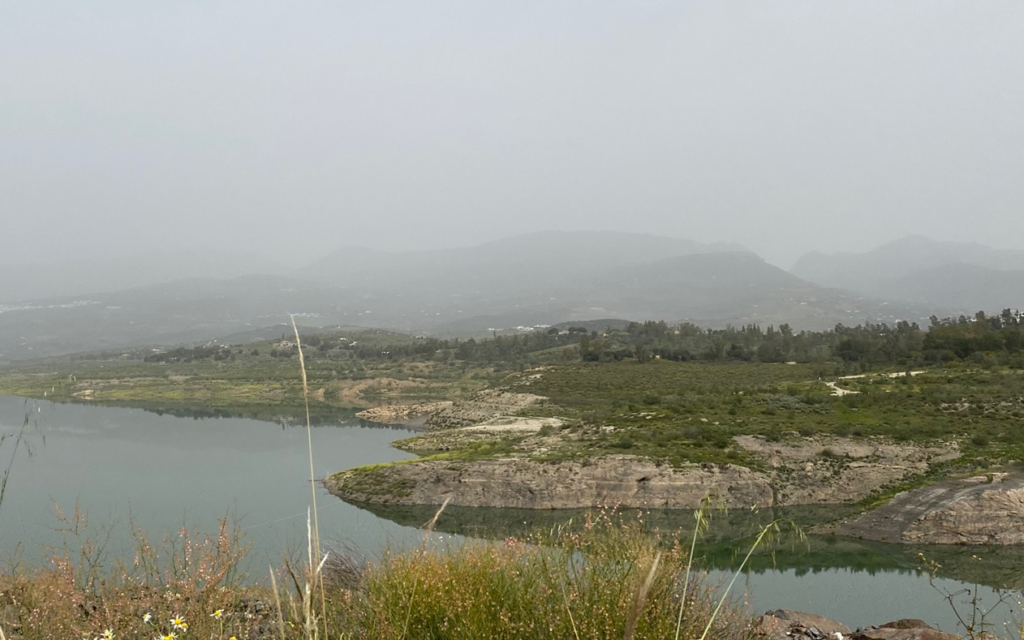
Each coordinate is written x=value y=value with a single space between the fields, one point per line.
x=403 y=414
x=784 y=624
x=981 y=510
x=483 y=452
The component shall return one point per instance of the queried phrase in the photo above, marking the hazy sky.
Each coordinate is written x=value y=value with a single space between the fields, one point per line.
x=299 y=127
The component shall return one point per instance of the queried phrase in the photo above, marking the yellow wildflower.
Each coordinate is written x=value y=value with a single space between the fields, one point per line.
x=217 y=614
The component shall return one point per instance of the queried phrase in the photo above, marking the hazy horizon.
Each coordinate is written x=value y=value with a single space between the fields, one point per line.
x=290 y=261
x=293 y=131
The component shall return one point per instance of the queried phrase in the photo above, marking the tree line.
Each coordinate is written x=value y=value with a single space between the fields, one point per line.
x=980 y=338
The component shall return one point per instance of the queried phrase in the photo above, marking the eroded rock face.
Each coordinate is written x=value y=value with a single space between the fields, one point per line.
x=486 y=405
x=832 y=470
x=625 y=481
x=996 y=516
x=984 y=510
x=393 y=414
x=889 y=633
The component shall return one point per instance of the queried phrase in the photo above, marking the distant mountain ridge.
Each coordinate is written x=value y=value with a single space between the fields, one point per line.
x=522 y=262
x=956 y=275
x=536 y=279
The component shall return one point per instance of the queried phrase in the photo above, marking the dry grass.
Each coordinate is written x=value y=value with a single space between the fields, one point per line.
x=604 y=580
x=183 y=577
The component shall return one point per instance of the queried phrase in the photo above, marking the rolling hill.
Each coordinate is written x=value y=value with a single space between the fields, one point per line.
x=959 y=276
x=540 y=279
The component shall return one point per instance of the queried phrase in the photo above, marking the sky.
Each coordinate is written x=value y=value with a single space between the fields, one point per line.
x=296 y=128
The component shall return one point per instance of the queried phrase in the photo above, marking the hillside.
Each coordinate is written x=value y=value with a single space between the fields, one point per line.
x=540 y=279
x=952 y=275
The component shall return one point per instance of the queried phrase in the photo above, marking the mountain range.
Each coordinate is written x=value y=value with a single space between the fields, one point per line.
x=959 y=276
x=522 y=281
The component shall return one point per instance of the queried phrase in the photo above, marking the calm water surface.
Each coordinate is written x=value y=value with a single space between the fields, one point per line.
x=163 y=472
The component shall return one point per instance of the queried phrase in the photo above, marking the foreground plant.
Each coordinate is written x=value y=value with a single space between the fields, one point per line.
x=602 y=579
x=168 y=590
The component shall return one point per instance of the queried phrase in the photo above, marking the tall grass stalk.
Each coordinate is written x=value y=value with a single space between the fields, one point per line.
x=7 y=471
x=314 y=577
x=641 y=599
x=700 y=526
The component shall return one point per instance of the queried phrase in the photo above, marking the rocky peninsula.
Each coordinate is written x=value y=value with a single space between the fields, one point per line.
x=509 y=447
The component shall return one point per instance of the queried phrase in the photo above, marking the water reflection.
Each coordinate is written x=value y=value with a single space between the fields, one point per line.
x=732 y=532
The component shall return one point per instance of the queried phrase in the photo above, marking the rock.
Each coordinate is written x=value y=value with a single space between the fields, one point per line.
x=398 y=413
x=625 y=481
x=950 y=512
x=888 y=633
x=995 y=517
x=483 y=406
x=785 y=624
x=855 y=468
x=905 y=623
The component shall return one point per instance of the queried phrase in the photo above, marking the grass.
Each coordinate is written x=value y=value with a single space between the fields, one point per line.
x=183 y=577
x=600 y=578
x=602 y=581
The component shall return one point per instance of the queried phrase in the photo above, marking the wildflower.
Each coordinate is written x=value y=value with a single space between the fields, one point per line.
x=147 y=618
x=178 y=623
x=108 y=634
x=217 y=614
x=169 y=636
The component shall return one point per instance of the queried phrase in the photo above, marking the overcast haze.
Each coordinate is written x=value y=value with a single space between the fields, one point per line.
x=296 y=128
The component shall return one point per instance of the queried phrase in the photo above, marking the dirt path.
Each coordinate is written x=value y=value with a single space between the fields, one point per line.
x=838 y=391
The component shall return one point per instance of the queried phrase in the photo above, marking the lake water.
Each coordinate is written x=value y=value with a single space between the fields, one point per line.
x=163 y=472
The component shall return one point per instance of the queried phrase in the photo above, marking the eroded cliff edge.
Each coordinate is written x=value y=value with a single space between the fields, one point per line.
x=505 y=449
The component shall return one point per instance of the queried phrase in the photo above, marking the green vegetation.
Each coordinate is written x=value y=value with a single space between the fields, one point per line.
x=673 y=393
x=255 y=380
x=690 y=412
x=362 y=368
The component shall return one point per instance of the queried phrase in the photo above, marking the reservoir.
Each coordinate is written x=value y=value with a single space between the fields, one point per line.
x=160 y=473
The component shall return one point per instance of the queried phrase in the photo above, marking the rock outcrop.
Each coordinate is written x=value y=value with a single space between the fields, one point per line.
x=401 y=413
x=835 y=470
x=625 y=481
x=487 y=405
x=983 y=510
x=783 y=624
